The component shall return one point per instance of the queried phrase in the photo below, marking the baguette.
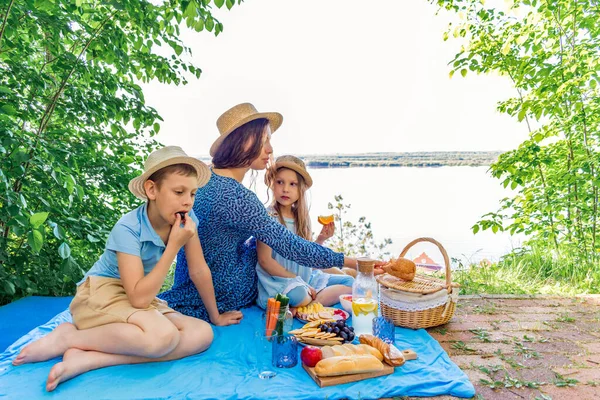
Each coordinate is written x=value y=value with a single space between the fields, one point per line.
x=391 y=355
x=346 y=365
x=349 y=350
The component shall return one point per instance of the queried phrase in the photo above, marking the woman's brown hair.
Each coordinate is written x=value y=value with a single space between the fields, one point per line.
x=242 y=146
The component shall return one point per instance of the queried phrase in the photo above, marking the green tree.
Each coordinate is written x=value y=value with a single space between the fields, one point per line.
x=550 y=50
x=74 y=126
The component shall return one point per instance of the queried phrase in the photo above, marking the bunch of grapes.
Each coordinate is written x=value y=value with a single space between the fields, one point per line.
x=339 y=328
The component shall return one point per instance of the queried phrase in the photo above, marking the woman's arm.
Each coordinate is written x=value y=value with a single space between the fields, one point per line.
x=246 y=212
x=268 y=263
x=202 y=278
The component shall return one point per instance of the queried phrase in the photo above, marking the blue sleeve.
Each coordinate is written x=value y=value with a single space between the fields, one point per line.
x=194 y=218
x=123 y=239
x=246 y=212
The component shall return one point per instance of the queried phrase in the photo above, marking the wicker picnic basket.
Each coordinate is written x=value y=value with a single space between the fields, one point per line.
x=423 y=302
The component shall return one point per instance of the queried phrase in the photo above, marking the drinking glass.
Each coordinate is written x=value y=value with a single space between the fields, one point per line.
x=285 y=351
x=383 y=328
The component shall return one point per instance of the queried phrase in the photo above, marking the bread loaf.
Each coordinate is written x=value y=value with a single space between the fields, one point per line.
x=346 y=365
x=391 y=355
x=402 y=268
x=350 y=349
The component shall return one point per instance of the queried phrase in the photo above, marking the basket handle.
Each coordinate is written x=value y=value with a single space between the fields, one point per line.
x=442 y=250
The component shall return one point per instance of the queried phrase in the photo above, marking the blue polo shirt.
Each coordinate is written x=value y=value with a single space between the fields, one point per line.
x=133 y=234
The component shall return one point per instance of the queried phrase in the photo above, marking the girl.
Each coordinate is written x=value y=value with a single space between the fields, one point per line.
x=288 y=180
x=230 y=214
x=117 y=318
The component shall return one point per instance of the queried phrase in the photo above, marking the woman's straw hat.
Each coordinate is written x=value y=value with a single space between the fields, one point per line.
x=295 y=164
x=164 y=157
x=239 y=115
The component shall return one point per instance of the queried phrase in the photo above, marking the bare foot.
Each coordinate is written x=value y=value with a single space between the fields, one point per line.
x=74 y=363
x=50 y=346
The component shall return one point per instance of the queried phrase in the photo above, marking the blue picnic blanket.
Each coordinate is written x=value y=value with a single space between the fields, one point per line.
x=227 y=370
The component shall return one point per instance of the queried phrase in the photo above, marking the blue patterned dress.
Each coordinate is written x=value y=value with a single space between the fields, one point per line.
x=229 y=216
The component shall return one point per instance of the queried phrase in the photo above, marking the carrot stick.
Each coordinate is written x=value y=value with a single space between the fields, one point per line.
x=273 y=319
x=270 y=305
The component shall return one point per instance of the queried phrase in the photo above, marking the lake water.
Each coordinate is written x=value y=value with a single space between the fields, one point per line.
x=407 y=203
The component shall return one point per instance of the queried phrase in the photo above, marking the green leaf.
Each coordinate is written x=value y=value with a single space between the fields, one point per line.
x=209 y=23
x=8 y=109
x=4 y=89
x=35 y=240
x=92 y=239
x=58 y=232
x=37 y=219
x=463 y=72
x=156 y=127
x=219 y=3
x=9 y=287
x=229 y=4
x=64 y=251
x=451 y=74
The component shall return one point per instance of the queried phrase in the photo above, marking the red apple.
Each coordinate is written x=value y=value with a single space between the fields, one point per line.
x=310 y=356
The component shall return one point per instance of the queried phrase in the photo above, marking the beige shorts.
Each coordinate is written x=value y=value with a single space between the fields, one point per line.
x=101 y=301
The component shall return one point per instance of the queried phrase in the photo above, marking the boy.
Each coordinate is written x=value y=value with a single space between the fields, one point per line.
x=117 y=318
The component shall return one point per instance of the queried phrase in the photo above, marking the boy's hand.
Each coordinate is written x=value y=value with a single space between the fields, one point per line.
x=228 y=318
x=181 y=234
x=326 y=232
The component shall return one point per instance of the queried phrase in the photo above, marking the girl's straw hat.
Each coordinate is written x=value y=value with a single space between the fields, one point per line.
x=295 y=164
x=164 y=157
x=239 y=115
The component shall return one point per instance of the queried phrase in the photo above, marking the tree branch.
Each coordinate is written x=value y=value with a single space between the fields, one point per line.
x=5 y=20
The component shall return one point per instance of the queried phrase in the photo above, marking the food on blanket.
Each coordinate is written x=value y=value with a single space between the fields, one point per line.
x=324 y=332
x=277 y=315
x=325 y=219
x=402 y=268
x=350 y=349
x=339 y=328
x=314 y=311
x=310 y=356
x=346 y=365
x=391 y=355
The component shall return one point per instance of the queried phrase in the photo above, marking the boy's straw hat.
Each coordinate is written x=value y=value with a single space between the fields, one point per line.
x=239 y=115
x=295 y=164
x=164 y=157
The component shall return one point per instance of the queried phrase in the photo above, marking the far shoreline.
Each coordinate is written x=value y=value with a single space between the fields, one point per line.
x=394 y=160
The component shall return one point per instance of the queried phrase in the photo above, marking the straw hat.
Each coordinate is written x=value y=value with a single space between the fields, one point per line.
x=239 y=115
x=295 y=164
x=164 y=157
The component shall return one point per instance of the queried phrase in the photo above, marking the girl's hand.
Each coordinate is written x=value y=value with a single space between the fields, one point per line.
x=312 y=292
x=228 y=318
x=181 y=234
x=326 y=232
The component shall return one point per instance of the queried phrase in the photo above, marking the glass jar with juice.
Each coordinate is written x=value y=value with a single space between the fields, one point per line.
x=364 y=298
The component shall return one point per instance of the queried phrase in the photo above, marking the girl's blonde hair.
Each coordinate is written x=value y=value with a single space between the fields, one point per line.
x=299 y=208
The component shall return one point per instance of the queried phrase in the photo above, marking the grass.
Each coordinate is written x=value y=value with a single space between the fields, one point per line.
x=534 y=272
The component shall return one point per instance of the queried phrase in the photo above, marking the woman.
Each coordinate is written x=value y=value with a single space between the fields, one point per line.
x=229 y=215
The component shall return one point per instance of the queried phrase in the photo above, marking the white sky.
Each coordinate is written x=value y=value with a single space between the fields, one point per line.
x=348 y=76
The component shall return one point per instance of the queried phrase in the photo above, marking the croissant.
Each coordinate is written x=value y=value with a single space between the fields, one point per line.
x=402 y=268
x=391 y=355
